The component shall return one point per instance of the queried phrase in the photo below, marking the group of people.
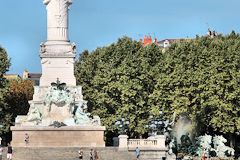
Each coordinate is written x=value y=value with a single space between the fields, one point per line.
x=92 y=154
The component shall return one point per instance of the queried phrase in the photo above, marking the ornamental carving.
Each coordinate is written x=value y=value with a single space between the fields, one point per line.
x=42 y=48
x=57 y=12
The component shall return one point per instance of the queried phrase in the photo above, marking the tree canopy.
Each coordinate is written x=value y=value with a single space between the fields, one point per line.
x=198 y=77
x=5 y=117
x=117 y=80
x=14 y=95
x=20 y=92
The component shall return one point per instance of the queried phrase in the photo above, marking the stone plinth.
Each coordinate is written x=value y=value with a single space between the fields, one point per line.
x=123 y=141
x=53 y=68
x=69 y=136
x=160 y=140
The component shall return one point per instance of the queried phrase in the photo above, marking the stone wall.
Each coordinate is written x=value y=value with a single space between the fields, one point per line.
x=67 y=136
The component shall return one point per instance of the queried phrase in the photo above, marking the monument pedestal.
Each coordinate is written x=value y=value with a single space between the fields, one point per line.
x=58 y=102
x=67 y=136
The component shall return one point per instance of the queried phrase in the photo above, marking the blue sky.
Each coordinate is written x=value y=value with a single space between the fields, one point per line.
x=96 y=23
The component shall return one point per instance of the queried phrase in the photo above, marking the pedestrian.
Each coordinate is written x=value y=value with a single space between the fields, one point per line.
x=91 y=154
x=9 y=152
x=95 y=155
x=26 y=139
x=1 y=152
x=80 y=152
x=138 y=153
x=204 y=156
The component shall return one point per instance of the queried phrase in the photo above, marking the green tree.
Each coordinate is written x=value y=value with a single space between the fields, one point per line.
x=198 y=77
x=117 y=80
x=5 y=117
x=20 y=92
x=201 y=77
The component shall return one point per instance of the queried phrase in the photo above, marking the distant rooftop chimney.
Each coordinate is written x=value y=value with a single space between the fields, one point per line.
x=209 y=33
x=147 y=40
x=25 y=74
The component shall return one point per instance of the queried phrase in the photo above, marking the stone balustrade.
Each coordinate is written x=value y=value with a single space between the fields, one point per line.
x=151 y=148
x=152 y=142
x=142 y=143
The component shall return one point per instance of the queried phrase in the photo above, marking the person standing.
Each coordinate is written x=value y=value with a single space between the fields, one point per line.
x=26 y=139
x=204 y=156
x=95 y=155
x=1 y=152
x=80 y=152
x=91 y=154
x=138 y=153
x=9 y=152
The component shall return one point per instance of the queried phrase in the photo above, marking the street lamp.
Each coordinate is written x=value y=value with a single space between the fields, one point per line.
x=160 y=123
x=151 y=126
x=121 y=124
x=155 y=124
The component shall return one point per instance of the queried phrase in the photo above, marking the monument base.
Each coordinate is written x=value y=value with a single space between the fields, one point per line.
x=67 y=136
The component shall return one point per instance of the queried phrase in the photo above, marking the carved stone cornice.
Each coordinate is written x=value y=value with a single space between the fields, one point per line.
x=57 y=55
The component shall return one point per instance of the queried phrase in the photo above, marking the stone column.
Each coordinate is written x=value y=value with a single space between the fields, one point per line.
x=123 y=141
x=57 y=19
x=57 y=53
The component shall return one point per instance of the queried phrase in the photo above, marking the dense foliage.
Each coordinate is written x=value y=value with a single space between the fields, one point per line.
x=201 y=78
x=117 y=80
x=14 y=96
x=198 y=77
x=21 y=91
x=5 y=117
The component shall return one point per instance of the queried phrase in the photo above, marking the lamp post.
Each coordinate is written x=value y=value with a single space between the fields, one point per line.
x=160 y=123
x=121 y=124
x=155 y=124
x=151 y=126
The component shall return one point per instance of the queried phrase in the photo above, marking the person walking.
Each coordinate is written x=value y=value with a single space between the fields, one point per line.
x=80 y=152
x=1 y=152
x=26 y=139
x=9 y=152
x=91 y=154
x=95 y=155
x=138 y=153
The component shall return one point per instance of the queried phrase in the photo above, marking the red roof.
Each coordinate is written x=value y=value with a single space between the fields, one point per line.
x=34 y=75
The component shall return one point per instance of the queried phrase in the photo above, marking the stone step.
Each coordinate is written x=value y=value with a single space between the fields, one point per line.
x=66 y=153
x=107 y=153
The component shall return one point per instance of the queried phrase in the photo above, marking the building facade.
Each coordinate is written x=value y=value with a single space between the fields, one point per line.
x=34 y=77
